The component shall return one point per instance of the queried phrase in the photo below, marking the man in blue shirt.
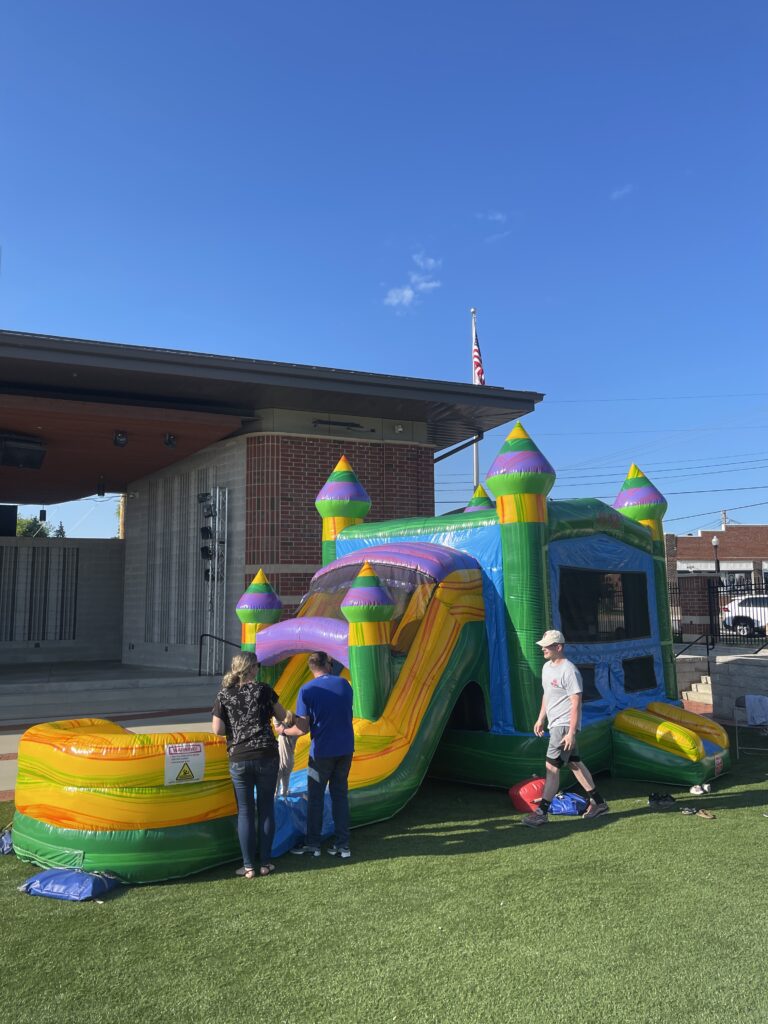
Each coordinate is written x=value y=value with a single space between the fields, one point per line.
x=324 y=710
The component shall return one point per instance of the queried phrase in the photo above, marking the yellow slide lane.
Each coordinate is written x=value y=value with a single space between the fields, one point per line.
x=704 y=727
x=669 y=736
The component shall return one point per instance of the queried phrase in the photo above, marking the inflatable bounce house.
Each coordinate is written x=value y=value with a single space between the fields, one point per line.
x=435 y=622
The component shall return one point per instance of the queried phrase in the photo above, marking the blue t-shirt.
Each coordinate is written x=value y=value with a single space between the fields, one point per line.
x=327 y=702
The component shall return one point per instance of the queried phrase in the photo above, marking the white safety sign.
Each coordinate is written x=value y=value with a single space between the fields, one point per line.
x=184 y=762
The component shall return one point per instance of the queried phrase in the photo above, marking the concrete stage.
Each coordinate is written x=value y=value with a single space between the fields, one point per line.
x=143 y=698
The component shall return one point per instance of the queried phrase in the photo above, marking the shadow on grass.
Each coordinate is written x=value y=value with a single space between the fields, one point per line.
x=450 y=819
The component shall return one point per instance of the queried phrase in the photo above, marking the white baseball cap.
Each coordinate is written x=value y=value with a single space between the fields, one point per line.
x=552 y=636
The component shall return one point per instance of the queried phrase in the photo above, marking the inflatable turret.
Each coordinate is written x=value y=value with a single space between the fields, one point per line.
x=640 y=501
x=342 y=502
x=368 y=607
x=258 y=607
x=520 y=479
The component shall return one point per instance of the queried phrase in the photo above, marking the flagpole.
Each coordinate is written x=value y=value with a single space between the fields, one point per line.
x=475 y=448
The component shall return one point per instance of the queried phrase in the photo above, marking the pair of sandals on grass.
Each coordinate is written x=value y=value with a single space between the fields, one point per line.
x=262 y=872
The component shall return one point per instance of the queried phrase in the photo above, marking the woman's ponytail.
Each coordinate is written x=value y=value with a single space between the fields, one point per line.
x=244 y=666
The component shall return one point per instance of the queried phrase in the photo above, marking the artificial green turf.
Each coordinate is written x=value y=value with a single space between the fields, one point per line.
x=450 y=912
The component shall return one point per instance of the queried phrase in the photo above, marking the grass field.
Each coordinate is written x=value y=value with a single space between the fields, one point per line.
x=451 y=912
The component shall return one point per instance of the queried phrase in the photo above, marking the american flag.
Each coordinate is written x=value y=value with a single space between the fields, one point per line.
x=478 y=373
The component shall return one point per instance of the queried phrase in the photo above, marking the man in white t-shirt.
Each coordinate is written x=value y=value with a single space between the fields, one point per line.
x=561 y=709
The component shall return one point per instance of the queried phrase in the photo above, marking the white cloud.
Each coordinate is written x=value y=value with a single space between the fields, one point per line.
x=620 y=193
x=421 y=281
x=426 y=262
x=498 y=236
x=400 y=296
x=424 y=282
x=494 y=216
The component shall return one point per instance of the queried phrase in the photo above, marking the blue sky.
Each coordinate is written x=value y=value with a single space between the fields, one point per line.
x=338 y=184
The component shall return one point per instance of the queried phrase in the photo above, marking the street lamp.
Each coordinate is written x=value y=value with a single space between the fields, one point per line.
x=715 y=545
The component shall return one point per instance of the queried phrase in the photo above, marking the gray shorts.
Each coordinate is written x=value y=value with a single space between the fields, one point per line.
x=555 y=749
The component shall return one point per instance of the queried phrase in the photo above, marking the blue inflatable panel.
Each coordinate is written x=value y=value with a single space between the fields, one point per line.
x=63 y=884
x=291 y=815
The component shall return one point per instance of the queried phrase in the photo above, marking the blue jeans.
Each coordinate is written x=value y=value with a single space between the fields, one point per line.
x=259 y=774
x=332 y=772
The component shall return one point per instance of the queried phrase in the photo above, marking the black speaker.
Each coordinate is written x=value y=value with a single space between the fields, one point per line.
x=8 y=515
x=21 y=452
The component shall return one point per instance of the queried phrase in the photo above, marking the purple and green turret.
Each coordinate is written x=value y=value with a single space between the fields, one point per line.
x=640 y=501
x=368 y=608
x=520 y=478
x=479 y=502
x=259 y=607
x=342 y=502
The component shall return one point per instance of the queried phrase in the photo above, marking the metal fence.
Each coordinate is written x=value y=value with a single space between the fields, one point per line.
x=709 y=610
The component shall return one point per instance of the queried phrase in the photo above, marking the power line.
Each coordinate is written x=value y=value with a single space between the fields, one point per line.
x=670 y=494
x=700 y=515
x=601 y=478
x=683 y=464
x=587 y=481
x=651 y=398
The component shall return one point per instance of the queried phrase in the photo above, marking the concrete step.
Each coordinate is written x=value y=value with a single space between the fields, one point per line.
x=32 y=689
x=21 y=710
x=695 y=697
x=170 y=696
x=703 y=688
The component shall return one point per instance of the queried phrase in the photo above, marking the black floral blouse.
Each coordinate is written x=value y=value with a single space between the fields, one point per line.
x=247 y=713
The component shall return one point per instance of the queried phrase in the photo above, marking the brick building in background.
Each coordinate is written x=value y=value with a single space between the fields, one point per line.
x=740 y=555
x=704 y=576
x=284 y=475
x=220 y=460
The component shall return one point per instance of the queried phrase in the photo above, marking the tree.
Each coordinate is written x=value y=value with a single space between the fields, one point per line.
x=60 y=531
x=32 y=527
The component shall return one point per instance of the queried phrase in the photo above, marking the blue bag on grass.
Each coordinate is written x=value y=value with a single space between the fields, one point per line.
x=65 y=884
x=568 y=803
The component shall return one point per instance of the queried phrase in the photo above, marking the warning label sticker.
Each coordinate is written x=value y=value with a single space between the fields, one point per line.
x=184 y=762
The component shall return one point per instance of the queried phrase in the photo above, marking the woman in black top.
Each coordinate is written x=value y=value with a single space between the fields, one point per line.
x=243 y=713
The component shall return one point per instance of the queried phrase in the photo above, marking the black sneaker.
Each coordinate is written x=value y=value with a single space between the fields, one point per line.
x=535 y=819
x=595 y=809
x=313 y=851
x=661 y=801
x=340 y=851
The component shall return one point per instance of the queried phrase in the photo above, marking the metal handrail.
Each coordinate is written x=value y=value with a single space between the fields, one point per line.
x=704 y=636
x=211 y=636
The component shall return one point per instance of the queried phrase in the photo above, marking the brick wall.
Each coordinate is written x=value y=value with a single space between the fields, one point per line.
x=734 y=542
x=283 y=476
x=747 y=545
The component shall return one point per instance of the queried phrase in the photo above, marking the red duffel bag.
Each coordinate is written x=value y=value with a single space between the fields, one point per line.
x=523 y=794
